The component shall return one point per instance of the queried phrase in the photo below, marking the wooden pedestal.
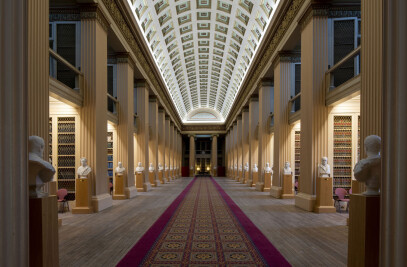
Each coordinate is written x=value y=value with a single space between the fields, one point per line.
x=267 y=182
x=140 y=181
x=160 y=177
x=364 y=231
x=82 y=196
x=287 y=187
x=255 y=178
x=43 y=216
x=324 y=200
x=118 y=187
x=246 y=177
x=53 y=188
x=167 y=175
x=191 y=173
x=356 y=187
x=151 y=178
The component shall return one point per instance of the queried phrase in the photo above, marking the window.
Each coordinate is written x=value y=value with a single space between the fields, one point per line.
x=296 y=86
x=111 y=87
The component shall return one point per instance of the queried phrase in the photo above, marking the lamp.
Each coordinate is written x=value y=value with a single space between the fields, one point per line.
x=208 y=168
x=198 y=169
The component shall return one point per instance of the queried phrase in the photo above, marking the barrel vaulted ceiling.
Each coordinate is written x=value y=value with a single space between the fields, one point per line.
x=203 y=49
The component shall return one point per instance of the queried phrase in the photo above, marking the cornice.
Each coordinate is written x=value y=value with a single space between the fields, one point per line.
x=203 y=128
x=93 y=12
x=124 y=57
x=287 y=56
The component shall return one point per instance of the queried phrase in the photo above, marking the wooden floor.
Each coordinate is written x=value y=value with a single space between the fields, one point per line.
x=102 y=239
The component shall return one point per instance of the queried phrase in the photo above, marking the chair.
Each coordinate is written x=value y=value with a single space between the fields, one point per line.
x=296 y=187
x=111 y=188
x=61 y=194
x=341 y=193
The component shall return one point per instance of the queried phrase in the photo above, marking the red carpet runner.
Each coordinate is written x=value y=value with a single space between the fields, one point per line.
x=203 y=227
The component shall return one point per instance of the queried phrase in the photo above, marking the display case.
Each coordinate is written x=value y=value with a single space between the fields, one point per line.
x=342 y=152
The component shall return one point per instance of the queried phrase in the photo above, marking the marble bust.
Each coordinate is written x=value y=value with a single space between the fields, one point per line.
x=84 y=169
x=166 y=167
x=191 y=168
x=171 y=168
x=235 y=166
x=240 y=168
x=246 y=167
x=151 y=168
x=160 y=167
x=287 y=168
x=120 y=169
x=39 y=170
x=267 y=169
x=255 y=169
x=368 y=170
x=139 y=168
x=324 y=170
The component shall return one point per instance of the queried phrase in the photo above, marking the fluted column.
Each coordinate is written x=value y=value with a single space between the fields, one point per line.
x=153 y=139
x=283 y=75
x=171 y=159
x=142 y=137
x=14 y=137
x=227 y=152
x=239 y=148
x=253 y=137
x=245 y=141
x=314 y=113
x=167 y=148
x=38 y=70
x=235 y=152
x=125 y=128
x=93 y=114
x=191 y=155
x=214 y=164
x=161 y=140
x=393 y=232
x=265 y=92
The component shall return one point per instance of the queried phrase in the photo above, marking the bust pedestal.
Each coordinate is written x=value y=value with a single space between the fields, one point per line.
x=246 y=177
x=153 y=179
x=239 y=176
x=53 y=188
x=140 y=181
x=118 y=187
x=364 y=230
x=191 y=173
x=255 y=177
x=356 y=186
x=43 y=216
x=160 y=177
x=267 y=181
x=324 y=202
x=167 y=175
x=82 y=196
x=287 y=186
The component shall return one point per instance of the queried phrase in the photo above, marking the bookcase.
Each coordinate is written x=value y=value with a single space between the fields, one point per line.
x=342 y=152
x=110 y=156
x=297 y=153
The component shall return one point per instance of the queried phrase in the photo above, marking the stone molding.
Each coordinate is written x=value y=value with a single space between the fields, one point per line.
x=91 y=12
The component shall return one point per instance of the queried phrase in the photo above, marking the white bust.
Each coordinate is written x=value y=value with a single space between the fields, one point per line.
x=267 y=169
x=287 y=168
x=191 y=168
x=240 y=168
x=84 y=169
x=255 y=169
x=235 y=166
x=151 y=168
x=120 y=169
x=246 y=167
x=215 y=167
x=166 y=167
x=368 y=170
x=160 y=167
x=324 y=170
x=39 y=170
x=171 y=168
x=139 y=168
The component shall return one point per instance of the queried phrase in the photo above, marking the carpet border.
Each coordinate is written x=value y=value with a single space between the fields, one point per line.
x=136 y=255
x=270 y=254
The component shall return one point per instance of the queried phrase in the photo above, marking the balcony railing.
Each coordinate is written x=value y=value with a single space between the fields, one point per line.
x=295 y=103
x=112 y=104
x=271 y=128
x=65 y=72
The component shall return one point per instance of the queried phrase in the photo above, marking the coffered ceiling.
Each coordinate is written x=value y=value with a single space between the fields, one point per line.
x=203 y=49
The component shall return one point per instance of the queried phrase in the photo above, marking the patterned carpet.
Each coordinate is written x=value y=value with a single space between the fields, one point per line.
x=203 y=227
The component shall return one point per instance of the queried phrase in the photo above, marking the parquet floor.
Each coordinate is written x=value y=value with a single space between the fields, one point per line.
x=102 y=239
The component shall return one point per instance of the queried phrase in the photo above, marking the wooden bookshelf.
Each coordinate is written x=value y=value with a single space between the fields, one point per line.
x=110 y=156
x=342 y=152
x=297 y=153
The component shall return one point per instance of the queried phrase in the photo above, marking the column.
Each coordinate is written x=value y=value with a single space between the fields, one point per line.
x=314 y=113
x=227 y=138
x=191 y=155
x=167 y=148
x=393 y=232
x=253 y=138
x=283 y=76
x=142 y=137
x=93 y=114
x=161 y=143
x=171 y=159
x=265 y=91
x=125 y=128
x=245 y=142
x=239 y=148
x=153 y=139
x=235 y=152
x=14 y=139
x=214 y=164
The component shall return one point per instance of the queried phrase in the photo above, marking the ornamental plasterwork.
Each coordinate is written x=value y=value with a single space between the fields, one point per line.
x=203 y=48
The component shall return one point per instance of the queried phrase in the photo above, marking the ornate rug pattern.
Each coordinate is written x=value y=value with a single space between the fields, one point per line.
x=203 y=227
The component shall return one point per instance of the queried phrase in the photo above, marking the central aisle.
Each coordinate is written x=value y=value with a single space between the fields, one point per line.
x=203 y=226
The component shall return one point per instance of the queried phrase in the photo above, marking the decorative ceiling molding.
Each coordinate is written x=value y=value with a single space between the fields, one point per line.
x=197 y=129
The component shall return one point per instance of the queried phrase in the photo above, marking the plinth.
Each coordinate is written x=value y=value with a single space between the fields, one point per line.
x=151 y=178
x=287 y=186
x=140 y=181
x=53 y=188
x=255 y=176
x=324 y=202
x=160 y=177
x=356 y=187
x=43 y=216
x=239 y=176
x=118 y=187
x=246 y=177
x=82 y=196
x=167 y=175
x=364 y=230
x=267 y=181
x=191 y=173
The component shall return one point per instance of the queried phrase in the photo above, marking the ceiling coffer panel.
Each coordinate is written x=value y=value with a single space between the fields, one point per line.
x=203 y=48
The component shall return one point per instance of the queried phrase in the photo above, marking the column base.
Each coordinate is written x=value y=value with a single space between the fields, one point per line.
x=305 y=201
x=325 y=209
x=146 y=187
x=249 y=183
x=130 y=192
x=119 y=197
x=101 y=202
x=260 y=186
x=287 y=196
x=157 y=182
x=82 y=210
x=275 y=191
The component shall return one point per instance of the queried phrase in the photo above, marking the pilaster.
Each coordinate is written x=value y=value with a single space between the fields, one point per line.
x=153 y=139
x=245 y=141
x=253 y=137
